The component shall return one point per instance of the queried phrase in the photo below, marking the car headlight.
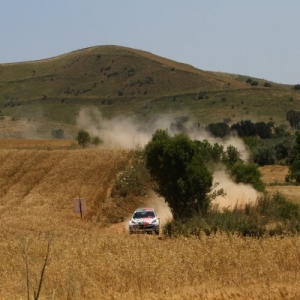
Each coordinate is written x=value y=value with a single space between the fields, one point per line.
x=154 y=221
x=132 y=222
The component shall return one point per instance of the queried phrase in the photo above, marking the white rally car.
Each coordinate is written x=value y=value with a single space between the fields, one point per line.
x=144 y=220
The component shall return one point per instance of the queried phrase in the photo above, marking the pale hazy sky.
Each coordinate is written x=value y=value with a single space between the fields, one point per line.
x=259 y=38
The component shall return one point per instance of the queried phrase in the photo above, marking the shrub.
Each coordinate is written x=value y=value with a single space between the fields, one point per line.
x=263 y=130
x=264 y=156
x=248 y=174
x=231 y=156
x=244 y=128
x=132 y=181
x=294 y=171
x=96 y=140
x=83 y=138
x=58 y=133
x=218 y=129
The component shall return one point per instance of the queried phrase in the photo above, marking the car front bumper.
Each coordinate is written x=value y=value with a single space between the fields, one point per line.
x=143 y=228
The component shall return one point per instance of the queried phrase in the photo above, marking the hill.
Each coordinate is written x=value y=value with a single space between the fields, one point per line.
x=123 y=81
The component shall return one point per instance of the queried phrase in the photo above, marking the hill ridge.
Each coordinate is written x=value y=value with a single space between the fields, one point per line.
x=119 y=80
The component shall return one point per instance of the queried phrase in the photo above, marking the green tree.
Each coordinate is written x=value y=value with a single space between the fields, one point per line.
x=294 y=118
x=248 y=174
x=211 y=154
x=294 y=171
x=183 y=179
x=264 y=156
x=244 y=128
x=231 y=155
x=83 y=138
x=218 y=129
x=263 y=130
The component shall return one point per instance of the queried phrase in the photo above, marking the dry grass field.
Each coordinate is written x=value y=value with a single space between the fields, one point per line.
x=88 y=259
x=274 y=177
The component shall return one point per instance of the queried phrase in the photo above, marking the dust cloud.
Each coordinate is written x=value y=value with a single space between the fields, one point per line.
x=125 y=132
x=161 y=207
x=236 y=194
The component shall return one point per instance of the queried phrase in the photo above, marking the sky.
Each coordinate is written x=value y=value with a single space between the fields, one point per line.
x=257 y=38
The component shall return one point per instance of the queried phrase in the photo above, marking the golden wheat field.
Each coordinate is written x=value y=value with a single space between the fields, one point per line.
x=88 y=259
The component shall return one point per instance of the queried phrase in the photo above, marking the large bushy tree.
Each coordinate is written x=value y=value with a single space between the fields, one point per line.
x=183 y=178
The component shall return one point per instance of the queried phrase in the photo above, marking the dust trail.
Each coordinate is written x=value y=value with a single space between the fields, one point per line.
x=236 y=193
x=128 y=133
x=161 y=207
x=120 y=131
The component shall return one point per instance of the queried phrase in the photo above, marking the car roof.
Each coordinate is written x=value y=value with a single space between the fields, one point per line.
x=144 y=209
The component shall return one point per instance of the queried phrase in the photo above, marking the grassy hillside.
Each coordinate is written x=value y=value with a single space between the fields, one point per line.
x=118 y=80
x=87 y=260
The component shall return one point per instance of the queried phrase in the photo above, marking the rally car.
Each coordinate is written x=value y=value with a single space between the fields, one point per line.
x=144 y=220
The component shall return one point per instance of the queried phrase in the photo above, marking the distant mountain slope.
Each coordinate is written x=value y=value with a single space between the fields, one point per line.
x=119 y=80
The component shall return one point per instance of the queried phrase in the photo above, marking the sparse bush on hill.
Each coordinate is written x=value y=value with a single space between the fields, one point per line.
x=297 y=87
x=58 y=133
x=96 y=140
x=202 y=95
x=252 y=82
x=83 y=138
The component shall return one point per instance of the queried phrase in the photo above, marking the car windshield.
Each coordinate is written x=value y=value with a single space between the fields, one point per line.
x=143 y=214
